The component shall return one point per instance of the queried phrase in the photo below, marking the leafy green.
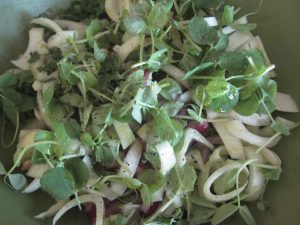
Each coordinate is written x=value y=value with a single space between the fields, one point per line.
x=135 y=24
x=146 y=196
x=58 y=182
x=271 y=174
x=200 y=32
x=281 y=128
x=166 y=128
x=226 y=102
x=79 y=172
x=217 y=88
x=234 y=62
x=152 y=178
x=223 y=212
x=244 y=27
x=8 y=80
x=44 y=135
x=198 y=69
x=17 y=181
x=227 y=17
x=246 y=215
x=157 y=60
x=100 y=55
x=180 y=180
x=169 y=88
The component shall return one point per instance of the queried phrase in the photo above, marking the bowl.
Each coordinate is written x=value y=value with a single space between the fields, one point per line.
x=278 y=26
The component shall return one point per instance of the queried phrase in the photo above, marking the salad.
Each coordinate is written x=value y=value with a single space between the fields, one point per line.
x=145 y=112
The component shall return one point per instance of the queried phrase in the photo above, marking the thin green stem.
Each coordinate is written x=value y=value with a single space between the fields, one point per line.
x=267 y=143
x=101 y=95
x=47 y=160
x=142 y=49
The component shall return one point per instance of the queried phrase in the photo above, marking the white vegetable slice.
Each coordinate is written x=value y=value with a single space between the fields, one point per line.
x=114 y=8
x=32 y=187
x=125 y=133
x=142 y=132
x=51 y=211
x=59 y=40
x=214 y=176
x=229 y=30
x=237 y=129
x=256 y=181
x=253 y=120
x=238 y=39
x=96 y=199
x=211 y=21
x=271 y=157
x=45 y=22
x=176 y=73
x=166 y=156
x=131 y=159
x=190 y=135
x=158 y=195
x=233 y=144
x=186 y=97
x=36 y=36
x=214 y=115
x=37 y=171
x=285 y=103
x=69 y=25
x=129 y=46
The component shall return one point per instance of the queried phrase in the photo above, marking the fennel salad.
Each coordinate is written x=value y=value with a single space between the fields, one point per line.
x=145 y=112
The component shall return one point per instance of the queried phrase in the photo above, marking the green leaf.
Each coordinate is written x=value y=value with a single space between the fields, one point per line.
x=169 y=88
x=34 y=56
x=158 y=17
x=8 y=80
x=28 y=103
x=107 y=152
x=281 y=128
x=227 y=17
x=226 y=102
x=223 y=42
x=244 y=27
x=267 y=104
x=271 y=174
x=201 y=201
x=72 y=99
x=247 y=107
x=217 y=88
x=157 y=60
x=79 y=171
x=89 y=79
x=72 y=127
x=48 y=95
x=17 y=181
x=135 y=24
x=44 y=135
x=181 y=180
x=37 y=158
x=200 y=96
x=65 y=74
x=197 y=69
x=167 y=129
x=10 y=110
x=146 y=196
x=223 y=212
x=58 y=182
x=234 y=62
x=2 y=169
x=246 y=215
x=172 y=107
x=99 y=54
x=152 y=178
x=131 y=183
x=200 y=32
x=95 y=27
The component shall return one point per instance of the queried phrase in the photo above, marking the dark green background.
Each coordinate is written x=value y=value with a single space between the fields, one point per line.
x=280 y=31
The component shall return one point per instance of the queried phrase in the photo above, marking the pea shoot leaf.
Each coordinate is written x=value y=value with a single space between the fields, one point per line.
x=152 y=178
x=135 y=24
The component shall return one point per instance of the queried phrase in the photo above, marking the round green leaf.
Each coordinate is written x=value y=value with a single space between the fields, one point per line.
x=135 y=24
x=217 y=88
x=152 y=178
x=226 y=102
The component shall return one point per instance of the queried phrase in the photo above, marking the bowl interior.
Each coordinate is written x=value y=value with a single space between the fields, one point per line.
x=280 y=31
